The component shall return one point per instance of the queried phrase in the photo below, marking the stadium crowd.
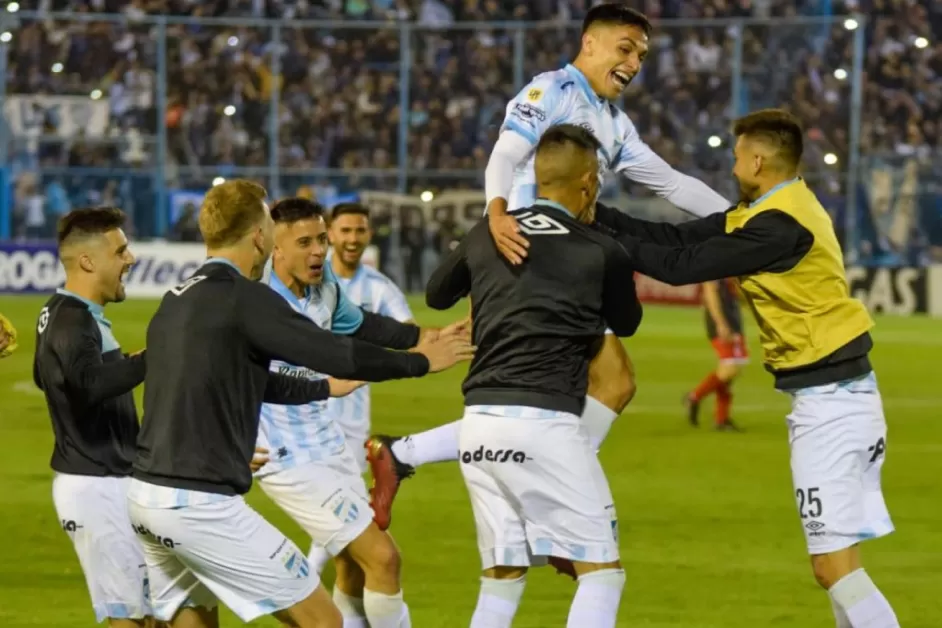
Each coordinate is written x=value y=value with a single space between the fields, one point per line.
x=339 y=88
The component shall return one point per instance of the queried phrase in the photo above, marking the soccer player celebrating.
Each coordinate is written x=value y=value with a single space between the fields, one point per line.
x=724 y=327
x=614 y=45
x=780 y=243
x=87 y=381
x=213 y=339
x=537 y=488
x=313 y=473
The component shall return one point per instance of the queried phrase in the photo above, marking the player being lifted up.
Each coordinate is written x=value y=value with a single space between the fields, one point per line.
x=313 y=472
x=537 y=488
x=614 y=45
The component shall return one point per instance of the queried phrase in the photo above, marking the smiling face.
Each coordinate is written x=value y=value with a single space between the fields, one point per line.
x=611 y=57
x=300 y=250
x=111 y=259
x=350 y=234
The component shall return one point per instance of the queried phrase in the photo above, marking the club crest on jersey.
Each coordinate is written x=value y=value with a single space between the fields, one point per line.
x=534 y=95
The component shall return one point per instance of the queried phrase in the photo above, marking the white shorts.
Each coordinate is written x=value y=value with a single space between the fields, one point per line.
x=93 y=511
x=356 y=437
x=221 y=550
x=837 y=435
x=537 y=489
x=327 y=498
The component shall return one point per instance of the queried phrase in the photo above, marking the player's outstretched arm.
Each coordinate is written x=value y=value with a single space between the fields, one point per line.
x=276 y=331
x=451 y=280
x=663 y=233
x=387 y=332
x=79 y=353
x=294 y=391
x=639 y=163
x=770 y=242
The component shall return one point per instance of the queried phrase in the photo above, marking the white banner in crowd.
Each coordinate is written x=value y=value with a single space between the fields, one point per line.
x=69 y=115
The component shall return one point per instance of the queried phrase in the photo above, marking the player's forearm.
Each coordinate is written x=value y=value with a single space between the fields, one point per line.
x=663 y=233
x=695 y=197
x=387 y=332
x=294 y=391
x=98 y=382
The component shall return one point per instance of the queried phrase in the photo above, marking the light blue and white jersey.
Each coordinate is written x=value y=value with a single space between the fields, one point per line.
x=564 y=96
x=374 y=292
x=295 y=435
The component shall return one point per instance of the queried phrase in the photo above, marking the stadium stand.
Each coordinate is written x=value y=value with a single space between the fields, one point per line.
x=339 y=92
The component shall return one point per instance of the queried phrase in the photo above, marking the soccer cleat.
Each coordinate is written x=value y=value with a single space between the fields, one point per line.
x=563 y=566
x=387 y=472
x=693 y=409
x=728 y=426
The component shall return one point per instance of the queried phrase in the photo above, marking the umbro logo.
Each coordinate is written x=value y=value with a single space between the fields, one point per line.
x=815 y=528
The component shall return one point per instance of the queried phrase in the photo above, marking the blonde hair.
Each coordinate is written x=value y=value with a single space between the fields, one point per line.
x=230 y=210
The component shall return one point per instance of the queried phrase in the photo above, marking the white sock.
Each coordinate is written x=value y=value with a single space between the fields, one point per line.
x=439 y=444
x=597 y=598
x=352 y=610
x=318 y=557
x=598 y=419
x=498 y=602
x=840 y=617
x=862 y=601
x=385 y=611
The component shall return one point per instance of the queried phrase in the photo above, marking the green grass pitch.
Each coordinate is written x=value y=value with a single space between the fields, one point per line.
x=709 y=533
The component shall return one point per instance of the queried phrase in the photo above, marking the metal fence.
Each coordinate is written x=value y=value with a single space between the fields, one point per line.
x=102 y=108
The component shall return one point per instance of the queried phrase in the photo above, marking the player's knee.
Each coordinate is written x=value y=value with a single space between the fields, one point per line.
x=381 y=559
x=349 y=577
x=502 y=572
x=611 y=376
x=829 y=568
x=728 y=371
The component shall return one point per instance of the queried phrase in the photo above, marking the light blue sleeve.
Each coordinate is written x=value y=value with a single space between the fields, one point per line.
x=347 y=316
x=538 y=106
x=394 y=304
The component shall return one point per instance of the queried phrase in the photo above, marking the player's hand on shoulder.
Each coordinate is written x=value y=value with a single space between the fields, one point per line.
x=506 y=233
x=342 y=387
x=445 y=351
x=259 y=459
x=7 y=337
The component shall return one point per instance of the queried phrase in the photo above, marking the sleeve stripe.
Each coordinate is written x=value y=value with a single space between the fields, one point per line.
x=530 y=136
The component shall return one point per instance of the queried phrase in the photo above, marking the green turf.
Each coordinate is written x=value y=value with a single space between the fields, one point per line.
x=709 y=533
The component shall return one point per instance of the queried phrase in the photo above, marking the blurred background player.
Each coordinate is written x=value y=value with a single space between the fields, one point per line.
x=536 y=485
x=370 y=290
x=724 y=327
x=614 y=46
x=88 y=381
x=816 y=341
x=313 y=472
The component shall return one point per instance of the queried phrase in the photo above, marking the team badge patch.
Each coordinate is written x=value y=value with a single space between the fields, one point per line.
x=534 y=95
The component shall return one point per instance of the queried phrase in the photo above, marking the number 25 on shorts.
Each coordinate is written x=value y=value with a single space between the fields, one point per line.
x=809 y=504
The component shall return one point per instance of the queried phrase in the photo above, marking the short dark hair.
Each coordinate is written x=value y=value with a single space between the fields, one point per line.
x=618 y=14
x=88 y=221
x=778 y=127
x=342 y=209
x=291 y=210
x=560 y=135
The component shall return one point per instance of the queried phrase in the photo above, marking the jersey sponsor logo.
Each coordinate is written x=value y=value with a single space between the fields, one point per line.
x=540 y=224
x=30 y=268
x=535 y=94
x=495 y=455
x=528 y=112
x=298 y=372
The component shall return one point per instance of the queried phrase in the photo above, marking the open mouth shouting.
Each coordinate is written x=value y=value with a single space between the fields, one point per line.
x=620 y=79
